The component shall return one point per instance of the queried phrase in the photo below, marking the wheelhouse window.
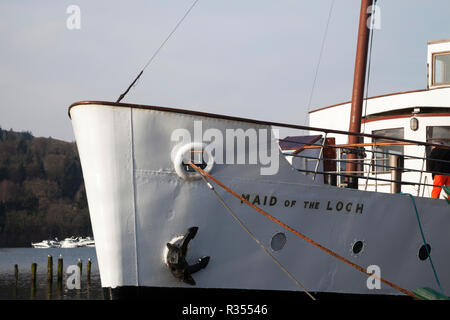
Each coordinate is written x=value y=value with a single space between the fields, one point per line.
x=441 y=68
x=382 y=152
x=438 y=134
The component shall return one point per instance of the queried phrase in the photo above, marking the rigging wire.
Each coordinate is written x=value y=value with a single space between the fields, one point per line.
x=320 y=58
x=374 y=6
x=158 y=50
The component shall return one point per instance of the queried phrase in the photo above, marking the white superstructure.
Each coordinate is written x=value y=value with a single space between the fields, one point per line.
x=420 y=115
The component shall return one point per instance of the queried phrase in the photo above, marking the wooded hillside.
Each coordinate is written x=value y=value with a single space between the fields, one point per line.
x=42 y=192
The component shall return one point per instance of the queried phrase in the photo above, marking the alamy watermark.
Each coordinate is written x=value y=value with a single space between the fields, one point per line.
x=74 y=279
x=229 y=146
x=374 y=21
x=374 y=281
x=73 y=22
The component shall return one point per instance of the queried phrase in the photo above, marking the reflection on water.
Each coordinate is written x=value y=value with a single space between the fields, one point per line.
x=24 y=257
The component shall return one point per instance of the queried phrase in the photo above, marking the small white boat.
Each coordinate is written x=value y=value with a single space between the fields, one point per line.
x=86 y=242
x=46 y=244
x=69 y=243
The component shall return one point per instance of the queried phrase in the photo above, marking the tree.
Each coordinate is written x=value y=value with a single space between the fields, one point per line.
x=72 y=178
x=22 y=146
x=3 y=173
x=19 y=174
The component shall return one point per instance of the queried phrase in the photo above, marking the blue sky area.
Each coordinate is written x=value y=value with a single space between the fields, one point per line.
x=252 y=58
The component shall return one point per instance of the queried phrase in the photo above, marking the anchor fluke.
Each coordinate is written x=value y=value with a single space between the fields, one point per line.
x=176 y=257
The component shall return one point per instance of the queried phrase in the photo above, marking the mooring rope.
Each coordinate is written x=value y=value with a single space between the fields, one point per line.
x=211 y=187
x=330 y=252
x=424 y=242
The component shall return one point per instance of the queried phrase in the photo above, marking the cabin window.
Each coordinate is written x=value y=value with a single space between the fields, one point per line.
x=441 y=68
x=382 y=152
x=438 y=134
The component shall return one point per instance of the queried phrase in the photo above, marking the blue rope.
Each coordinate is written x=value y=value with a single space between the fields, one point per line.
x=424 y=242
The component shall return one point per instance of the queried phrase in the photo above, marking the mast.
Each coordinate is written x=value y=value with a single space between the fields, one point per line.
x=358 y=88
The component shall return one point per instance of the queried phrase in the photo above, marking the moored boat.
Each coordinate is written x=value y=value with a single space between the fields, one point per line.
x=157 y=178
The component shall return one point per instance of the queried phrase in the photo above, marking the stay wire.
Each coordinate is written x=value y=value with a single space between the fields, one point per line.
x=374 y=6
x=158 y=50
x=320 y=58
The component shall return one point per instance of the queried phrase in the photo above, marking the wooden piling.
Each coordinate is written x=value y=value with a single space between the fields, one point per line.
x=33 y=279
x=16 y=274
x=60 y=269
x=16 y=280
x=59 y=276
x=50 y=269
x=80 y=266
x=33 y=272
x=49 y=277
x=89 y=270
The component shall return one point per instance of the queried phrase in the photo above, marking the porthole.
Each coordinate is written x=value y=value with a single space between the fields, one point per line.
x=423 y=252
x=278 y=241
x=357 y=247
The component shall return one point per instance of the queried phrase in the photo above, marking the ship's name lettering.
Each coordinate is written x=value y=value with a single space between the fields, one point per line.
x=327 y=205
x=267 y=200
x=339 y=206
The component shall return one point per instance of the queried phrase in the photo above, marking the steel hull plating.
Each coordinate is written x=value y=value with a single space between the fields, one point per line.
x=138 y=203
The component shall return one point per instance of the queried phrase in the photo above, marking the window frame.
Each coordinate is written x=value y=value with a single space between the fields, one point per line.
x=381 y=161
x=433 y=68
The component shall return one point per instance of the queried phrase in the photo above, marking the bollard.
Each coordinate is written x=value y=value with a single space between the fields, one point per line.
x=89 y=270
x=50 y=269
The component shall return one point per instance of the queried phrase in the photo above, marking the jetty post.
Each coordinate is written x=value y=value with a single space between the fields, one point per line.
x=60 y=274
x=16 y=280
x=49 y=277
x=50 y=269
x=80 y=266
x=16 y=274
x=33 y=279
x=89 y=263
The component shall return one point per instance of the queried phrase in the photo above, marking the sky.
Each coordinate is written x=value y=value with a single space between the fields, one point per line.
x=247 y=58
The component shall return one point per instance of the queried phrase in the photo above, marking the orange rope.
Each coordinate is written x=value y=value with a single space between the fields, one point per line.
x=334 y=254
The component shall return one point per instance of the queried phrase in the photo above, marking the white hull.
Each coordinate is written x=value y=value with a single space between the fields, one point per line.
x=138 y=203
x=40 y=246
x=46 y=244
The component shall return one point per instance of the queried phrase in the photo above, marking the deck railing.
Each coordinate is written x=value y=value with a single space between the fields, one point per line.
x=401 y=169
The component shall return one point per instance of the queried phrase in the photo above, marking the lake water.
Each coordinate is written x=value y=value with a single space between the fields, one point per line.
x=24 y=257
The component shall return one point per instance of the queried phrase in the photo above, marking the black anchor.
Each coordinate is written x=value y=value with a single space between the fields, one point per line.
x=176 y=258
